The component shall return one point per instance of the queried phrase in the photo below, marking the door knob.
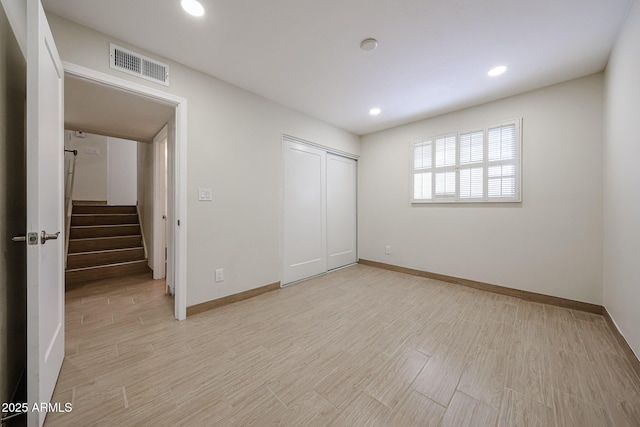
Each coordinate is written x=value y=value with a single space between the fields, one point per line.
x=44 y=236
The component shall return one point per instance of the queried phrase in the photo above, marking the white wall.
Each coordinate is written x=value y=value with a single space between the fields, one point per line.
x=16 y=12
x=122 y=175
x=550 y=243
x=106 y=168
x=622 y=181
x=235 y=148
x=90 y=181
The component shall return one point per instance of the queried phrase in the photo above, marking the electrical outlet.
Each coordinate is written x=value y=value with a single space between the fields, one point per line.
x=387 y=250
x=219 y=275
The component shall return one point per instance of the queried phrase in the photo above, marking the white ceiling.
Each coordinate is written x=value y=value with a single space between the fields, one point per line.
x=102 y=110
x=433 y=55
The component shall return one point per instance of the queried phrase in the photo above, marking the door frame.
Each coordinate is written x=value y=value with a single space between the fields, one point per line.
x=177 y=234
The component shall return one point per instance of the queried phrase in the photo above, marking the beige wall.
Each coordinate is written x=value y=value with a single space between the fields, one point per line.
x=13 y=297
x=235 y=148
x=122 y=174
x=622 y=181
x=550 y=243
x=90 y=180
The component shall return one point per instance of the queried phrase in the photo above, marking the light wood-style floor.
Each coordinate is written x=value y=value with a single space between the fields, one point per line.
x=357 y=347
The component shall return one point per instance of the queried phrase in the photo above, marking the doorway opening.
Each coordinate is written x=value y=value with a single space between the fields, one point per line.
x=99 y=103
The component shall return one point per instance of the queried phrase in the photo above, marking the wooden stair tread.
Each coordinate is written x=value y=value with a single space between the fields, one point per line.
x=100 y=215
x=104 y=209
x=97 y=267
x=106 y=251
x=105 y=241
x=104 y=225
x=87 y=231
x=82 y=239
x=104 y=257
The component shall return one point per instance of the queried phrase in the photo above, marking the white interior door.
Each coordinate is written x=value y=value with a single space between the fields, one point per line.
x=45 y=145
x=304 y=240
x=341 y=211
x=172 y=240
x=160 y=204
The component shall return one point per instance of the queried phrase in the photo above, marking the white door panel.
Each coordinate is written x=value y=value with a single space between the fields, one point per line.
x=304 y=243
x=172 y=240
x=160 y=204
x=341 y=211
x=319 y=221
x=45 y=197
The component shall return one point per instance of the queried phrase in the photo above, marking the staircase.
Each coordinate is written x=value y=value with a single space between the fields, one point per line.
x=104 y=241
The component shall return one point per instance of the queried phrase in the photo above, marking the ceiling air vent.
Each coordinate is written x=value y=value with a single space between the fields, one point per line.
x=135 y=64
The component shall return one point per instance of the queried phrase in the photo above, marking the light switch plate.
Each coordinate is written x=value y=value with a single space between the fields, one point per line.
x=94 y=151
x=205 y=194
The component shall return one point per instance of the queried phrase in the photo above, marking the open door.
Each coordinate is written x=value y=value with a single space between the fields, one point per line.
x=171 y=236
x=160 y=206
x=45 y=219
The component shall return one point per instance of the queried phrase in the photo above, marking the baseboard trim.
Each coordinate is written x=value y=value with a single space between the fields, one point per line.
x=631 y=356
x=210 y=305
x=502 y=290
x=89 y=202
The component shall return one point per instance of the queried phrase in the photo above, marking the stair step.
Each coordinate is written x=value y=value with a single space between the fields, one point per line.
x=103 y=219
x=103 y=209
x=95 y=258
x=83 y=232
x=104 y=243
x=88 y=274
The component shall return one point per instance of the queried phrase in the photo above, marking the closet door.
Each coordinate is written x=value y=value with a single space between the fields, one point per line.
x=304 y=240
x=341 y=211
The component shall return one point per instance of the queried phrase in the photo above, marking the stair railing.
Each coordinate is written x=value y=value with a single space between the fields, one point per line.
x=69 y=174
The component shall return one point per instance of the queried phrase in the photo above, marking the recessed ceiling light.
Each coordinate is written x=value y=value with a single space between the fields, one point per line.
x=192 y=7
x=374 y=111
x=369 y=44
x=496 y=71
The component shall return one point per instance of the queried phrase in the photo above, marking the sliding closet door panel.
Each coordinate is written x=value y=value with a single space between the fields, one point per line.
x=341 y=211
x=304 y=250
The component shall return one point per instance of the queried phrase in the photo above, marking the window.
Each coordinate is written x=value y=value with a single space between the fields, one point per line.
x=481 y=165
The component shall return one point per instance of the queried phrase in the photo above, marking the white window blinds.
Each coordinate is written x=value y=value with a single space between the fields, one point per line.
x=445 y=167
x=482 y=165
x=422 y=164
x=471 y=167
x=502 y=161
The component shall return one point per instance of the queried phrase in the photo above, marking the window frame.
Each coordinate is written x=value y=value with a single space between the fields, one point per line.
x=485 y=164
